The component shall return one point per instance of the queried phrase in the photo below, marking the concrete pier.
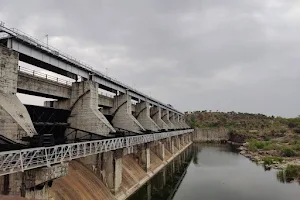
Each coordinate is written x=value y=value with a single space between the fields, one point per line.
x=84 y=110
x=122 y=115
x=156 y=116
x=143 y=116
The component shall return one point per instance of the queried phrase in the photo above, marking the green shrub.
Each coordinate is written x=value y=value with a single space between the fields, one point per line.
x=265 y=145
x=271 y=160
x=292 y=171
x=288 y=152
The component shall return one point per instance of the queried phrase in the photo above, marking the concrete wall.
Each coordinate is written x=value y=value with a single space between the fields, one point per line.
x=210 y=134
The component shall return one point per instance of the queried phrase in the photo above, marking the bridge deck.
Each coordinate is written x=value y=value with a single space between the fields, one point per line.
x=37 y=53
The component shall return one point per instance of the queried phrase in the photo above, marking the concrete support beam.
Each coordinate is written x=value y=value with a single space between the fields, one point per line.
x=159 y=150
x=143 y=156
x=122 y=115
x=34 y=85
x=15 y=121
x=112 y=170
x=166 y=118
x=84 y=110
x=143 y=116
x=155 y=113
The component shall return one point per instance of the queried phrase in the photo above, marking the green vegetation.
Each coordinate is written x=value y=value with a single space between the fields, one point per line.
x=254 y=145
x=288 y=152
x=291 y=173
x=272 y=159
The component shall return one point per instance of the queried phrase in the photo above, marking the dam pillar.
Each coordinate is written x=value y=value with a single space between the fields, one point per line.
x=112 y=170
x=169 y=145
x=174 y=120
x=177 y=142
x=122 y=115
x=182 y=140
x=143 y=116
x=159 y=150
x=155 y=113
x=143 y=156
x=15 y=121
x=166 y=118
x=85 y=115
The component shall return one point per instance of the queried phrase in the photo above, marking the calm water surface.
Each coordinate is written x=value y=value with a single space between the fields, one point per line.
x=213 y=172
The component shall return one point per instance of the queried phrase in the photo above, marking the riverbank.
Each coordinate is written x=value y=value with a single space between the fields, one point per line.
x=273 y=142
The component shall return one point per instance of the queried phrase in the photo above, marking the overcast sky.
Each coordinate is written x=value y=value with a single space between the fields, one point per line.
x=240 y=55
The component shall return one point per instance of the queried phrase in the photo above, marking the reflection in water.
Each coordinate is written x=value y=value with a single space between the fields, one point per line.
x=164 y=185
x=216 y=172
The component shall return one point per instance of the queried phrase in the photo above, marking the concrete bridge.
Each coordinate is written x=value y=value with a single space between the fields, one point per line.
x=81 y=124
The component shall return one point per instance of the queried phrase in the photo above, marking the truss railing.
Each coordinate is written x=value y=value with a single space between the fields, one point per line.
x=26 y=159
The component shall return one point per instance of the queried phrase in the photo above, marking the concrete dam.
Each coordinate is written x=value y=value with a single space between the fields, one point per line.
x=83 y=144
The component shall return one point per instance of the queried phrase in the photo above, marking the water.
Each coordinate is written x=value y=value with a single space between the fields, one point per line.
x=214 y=172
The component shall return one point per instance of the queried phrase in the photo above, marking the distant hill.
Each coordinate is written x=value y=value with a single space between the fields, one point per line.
x=242 y=122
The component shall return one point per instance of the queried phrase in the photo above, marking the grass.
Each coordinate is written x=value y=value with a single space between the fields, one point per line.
x=255 y=145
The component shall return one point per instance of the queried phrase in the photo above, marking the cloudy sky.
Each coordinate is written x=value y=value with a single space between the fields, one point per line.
x=241 y=55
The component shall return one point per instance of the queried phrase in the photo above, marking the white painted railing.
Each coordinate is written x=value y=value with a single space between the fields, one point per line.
x=26 y=159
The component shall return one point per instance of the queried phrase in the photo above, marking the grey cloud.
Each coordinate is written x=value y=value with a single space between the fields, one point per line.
x=212 y=54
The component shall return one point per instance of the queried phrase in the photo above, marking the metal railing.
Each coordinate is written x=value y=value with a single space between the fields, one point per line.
x=52 y=50
x=26 y=159
x=44 y=75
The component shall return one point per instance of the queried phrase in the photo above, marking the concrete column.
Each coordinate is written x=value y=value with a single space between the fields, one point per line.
x=159 y=150
x=166 y=118
x=112 y=170
x=155 y=113
x=15 y=121
x=143 y=116
x=181 y=139
x=143 y=155
x=177 y=142
x=122 y=112
x=169 y=145
x=84 y=110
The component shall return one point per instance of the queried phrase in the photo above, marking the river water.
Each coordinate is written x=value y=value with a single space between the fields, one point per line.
x=216 y=172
